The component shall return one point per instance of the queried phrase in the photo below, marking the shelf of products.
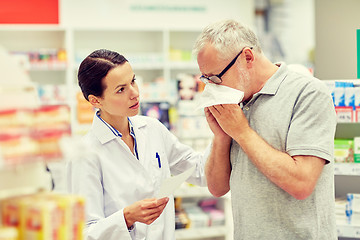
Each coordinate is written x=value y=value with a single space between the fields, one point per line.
x=25 y=179
x=347 y=172
x=200 y=215
x=348 y=231
x=200 y=233
x=348 y=169
x=51 y=56
x=30 y=135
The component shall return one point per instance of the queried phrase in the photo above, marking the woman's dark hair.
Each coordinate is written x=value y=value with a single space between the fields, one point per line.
x=94 y=68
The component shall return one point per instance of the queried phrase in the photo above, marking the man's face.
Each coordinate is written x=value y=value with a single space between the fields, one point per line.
x=210 y=64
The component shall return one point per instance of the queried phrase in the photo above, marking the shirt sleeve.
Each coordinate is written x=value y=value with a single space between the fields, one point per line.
x=313 y=124
x=182 y=157
x=84 y=178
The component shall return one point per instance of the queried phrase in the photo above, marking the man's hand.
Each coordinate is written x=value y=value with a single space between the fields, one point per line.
x=214 y=125
x=229 y=118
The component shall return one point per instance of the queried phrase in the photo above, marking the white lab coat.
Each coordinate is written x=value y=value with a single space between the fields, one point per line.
x=111 y=178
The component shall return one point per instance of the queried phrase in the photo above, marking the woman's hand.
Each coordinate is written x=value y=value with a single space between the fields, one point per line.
x=144 y=211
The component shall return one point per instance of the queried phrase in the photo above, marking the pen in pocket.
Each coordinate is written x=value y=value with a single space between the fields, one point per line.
x=158 y=158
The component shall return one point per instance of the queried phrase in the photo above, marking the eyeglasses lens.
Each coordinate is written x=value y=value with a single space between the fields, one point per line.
x=213 y=79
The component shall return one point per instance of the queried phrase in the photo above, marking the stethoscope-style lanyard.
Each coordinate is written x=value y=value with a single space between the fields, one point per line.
x=118 y=134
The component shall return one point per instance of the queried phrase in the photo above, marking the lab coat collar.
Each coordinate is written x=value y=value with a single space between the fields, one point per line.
x=139 y=123
x=105 y=134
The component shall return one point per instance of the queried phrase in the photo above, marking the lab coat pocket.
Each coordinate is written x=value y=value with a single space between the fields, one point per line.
x=158 y=167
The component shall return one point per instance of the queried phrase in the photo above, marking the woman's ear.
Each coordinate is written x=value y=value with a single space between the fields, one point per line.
x=95 y=101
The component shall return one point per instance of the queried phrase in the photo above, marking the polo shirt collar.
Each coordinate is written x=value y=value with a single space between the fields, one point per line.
x=272 y=85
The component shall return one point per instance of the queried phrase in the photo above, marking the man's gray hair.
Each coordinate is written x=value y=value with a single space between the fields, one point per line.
x=228 y=37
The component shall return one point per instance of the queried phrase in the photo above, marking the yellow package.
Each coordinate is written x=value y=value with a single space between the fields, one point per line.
x=75 y=215
x=11 y=210
x=8 y=233
x=43 y=220
x=74 y=219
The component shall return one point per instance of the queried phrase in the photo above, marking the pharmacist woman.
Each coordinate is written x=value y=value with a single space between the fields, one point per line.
x=127 y=157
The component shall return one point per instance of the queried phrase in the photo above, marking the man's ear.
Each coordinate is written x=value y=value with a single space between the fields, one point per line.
x=95 y=101
x=249 y=55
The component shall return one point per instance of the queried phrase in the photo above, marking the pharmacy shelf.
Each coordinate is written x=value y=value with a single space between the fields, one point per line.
x=345 y=174
x=192 y=191
x=195 y=191
x=347 y=130
x=349 y=169
x=348 y=231
x=200 y=233
x=150 y=61
x=23 y=179
x=224 y=231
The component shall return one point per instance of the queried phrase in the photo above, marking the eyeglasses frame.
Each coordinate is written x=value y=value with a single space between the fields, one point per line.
x=206 y=79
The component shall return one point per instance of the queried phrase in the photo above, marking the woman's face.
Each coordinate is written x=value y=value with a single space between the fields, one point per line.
x=121 y=95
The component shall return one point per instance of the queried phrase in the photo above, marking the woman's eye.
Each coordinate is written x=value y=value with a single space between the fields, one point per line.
x=120 y=90
x=133 y=81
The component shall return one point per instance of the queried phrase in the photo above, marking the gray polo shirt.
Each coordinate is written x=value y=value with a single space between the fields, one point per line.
x=294 y=114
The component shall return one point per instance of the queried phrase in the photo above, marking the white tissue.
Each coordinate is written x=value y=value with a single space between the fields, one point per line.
x=215 y=94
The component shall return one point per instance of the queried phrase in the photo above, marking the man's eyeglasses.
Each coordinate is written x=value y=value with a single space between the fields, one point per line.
x=217 y=78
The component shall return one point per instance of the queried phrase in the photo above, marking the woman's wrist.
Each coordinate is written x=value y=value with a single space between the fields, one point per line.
x=127 y=216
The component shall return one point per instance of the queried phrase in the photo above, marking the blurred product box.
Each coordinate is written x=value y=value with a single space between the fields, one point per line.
x=346 y=99
x=8 y=233
x=157 y=90
x=181 y=220
x=31 y=134
x=187 y=85
x=340 y=211
x=45 y=216
x=354 y=201
x=17 y=148
x=44 y=58
x=353 y=209
x=217 y=216
x=344 y=150
x=357 y=149
x=188 y=125
x=15 y=121
x=52 y=117
x=51 y=94
x=85 y=111
x=158 y=110
x=198 y=218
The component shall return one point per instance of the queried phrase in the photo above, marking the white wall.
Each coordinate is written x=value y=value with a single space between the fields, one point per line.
x=145 y=14
x=291 y=36
x=336 y=24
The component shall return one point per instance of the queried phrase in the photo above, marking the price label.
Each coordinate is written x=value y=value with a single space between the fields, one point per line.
x=357 y=232
x=357 y=114
x=357 y=169
x=344 y=117
x=344 y=114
